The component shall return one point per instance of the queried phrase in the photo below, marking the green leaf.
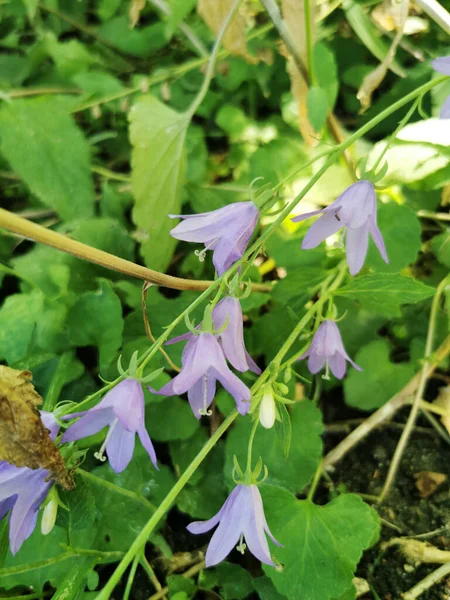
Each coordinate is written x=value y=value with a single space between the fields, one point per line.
x=318 y=107
x=157 y=134
x=139 y=42
x=75 y=579
x=96 y=320
x=440 y=245
x=234 y=581
x=46 y=149
x=266 y=589
x=178 y=583
x=18 y=317
x=325 y=69
x=293 y=472
x=372 y=387
x=171 y=419
x=384 y=293
x=81 y=509
x=283 y=429
x=400 y=227
x=321 y=544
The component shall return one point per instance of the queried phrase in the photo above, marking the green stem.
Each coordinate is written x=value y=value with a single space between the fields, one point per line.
x=142 y=538
x=315 y=482
x=212 y=60
x=134 y=566
x=250 y=447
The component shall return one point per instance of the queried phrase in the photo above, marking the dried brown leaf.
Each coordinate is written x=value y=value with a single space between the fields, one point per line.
x=294 y=17
x=135 y=12
x=443 y=402
x=427 y=482
x=214 y=13
x=24 y=440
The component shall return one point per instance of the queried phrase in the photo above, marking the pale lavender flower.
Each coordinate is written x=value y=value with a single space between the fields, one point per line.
x=231 y=339
x=241 y=517
x=225 y=231
x=22 y=491
x=327 y=350
x=203 y=363
x=122 y=410
x=442 y=65
x=355 y=210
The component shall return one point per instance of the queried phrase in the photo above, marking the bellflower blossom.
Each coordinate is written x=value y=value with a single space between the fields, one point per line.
x=355 y=210
x=22 y=491
x=203 y=363
x=231 y=339
x=225 y=231
x=442 y=65
x=241 y=517
x=122 y=410
x=327 y=350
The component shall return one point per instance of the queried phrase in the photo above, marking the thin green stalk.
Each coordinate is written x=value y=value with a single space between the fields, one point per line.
x=250 y=446
x=131 y=576
x=309 y=41
x=212 y=60
x=315 y=482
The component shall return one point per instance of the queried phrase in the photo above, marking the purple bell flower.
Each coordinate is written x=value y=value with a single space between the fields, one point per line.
x=241 y=517
x=225 y=231
x=22 y=491
x=442 y=65
x=203 y=363
x=231 y=339
x=355 y=210
x=122 y=410
x=327 y=350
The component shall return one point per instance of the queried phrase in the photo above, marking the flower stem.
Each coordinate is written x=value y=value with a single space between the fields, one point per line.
x=248 y=471
x=212 y=60
x=315 y=482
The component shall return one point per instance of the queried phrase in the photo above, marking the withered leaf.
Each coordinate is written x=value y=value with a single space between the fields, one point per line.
x=427 y=482
x=135 y=12
x=214 y=14
x=24 y=440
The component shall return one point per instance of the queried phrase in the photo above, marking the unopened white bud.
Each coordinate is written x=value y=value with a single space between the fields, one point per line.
x=267 y=408
x=49 y=516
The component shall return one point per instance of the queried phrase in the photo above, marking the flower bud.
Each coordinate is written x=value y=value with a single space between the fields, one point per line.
x=49 y=514
x=267 y=408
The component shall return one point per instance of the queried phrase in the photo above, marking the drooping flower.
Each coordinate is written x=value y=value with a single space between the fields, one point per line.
x=122 y=410
x=240 y=518
x=228 y=311
x=225 y=231
x=22 y=491
x=442 y=65
x=203 y=363
x=327 y=350
x=355 y=210
x=267 y=408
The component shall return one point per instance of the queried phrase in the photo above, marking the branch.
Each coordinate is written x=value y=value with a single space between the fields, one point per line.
x=37 y=233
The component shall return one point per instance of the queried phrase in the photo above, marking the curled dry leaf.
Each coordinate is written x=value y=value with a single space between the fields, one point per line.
x=24 y=440
x=135 y=12
x=374 y=79
x=417 y=552
x=427 y=482
x=214 y=14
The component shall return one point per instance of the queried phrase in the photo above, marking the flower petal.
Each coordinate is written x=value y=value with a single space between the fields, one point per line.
x=316 y=362
x=441 y=64
x=378 y=239
x=229 y=311
x=338 y=365
x=120 y=448
x=357 y=243
x=127 y=402
x=235 y=387
x=92 y=422
x=254 y=533
x=357 y=204
x=304 y=216
x=148 y=445
x=327 y=225
x=202 y=393
x=204 y=526
x=445 y=109
x=226 y=536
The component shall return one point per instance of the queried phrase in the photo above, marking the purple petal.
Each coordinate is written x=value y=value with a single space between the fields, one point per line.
x=202 y=393
x=6 y=505
x=327 y=225
x=127 y=402
x=92 y=422
x=337 y=365
x=179 y=338
x=147 y=443
x=50 y=423
x=304 y=216
x=254 y=526
x=316 y=362
x=378 y=239
x=235 y=387
x=232 y=338
x=357 y=204
x=357 y=242
x=120 y=447
x=204 y=526
x=442 y=65
x=327 y=339
x=226 y=536
x=252 y=365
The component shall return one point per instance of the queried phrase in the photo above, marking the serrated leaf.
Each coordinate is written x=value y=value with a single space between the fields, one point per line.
x=318 y=107
x=325 y=69
x=293 y=472
x=283 y=429
x=47 y=150
x=18 y=316
x=321 y=544
x=384 y=293
x=157 y=134
x=372 y=387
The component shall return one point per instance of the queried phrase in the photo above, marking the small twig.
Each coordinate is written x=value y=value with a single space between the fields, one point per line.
x=147 y=285
x=427 y=582
x=436 y=216
x=151 y=573
x=42 y=92
x=442 y=432
x=189 y=573
x=406 y=433
x=37 y=233
x=386 y=412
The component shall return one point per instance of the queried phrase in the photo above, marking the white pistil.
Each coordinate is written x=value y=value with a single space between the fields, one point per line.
x=202 y=253
x=100 y=454
x=326 y=375
x=242 y=545
x=204 y=412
